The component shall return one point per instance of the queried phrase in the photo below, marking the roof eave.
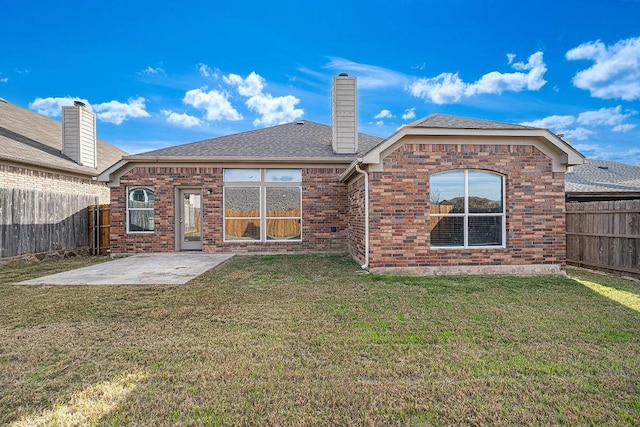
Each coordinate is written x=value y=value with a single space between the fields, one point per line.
x=598 y=195
x=107 y=175
x=235 y=159
x=53 y=168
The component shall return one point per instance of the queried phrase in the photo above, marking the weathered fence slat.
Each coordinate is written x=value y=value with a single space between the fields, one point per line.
x=33 y=221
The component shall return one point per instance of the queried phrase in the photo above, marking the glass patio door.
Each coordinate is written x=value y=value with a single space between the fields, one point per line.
x=190 y=220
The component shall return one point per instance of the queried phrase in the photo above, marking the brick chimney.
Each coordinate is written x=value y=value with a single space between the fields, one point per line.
x=79 y=135
x=344 y=114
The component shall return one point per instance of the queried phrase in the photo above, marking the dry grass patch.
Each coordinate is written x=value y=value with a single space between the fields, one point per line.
x=308 y=340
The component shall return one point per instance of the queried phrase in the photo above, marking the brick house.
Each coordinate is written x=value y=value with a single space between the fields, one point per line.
x=444 y=195
x=47 y=178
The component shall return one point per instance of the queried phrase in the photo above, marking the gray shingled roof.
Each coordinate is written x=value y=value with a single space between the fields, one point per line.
x=304 y=140
x=29 y=138
x=602 y=176
x=453 y=122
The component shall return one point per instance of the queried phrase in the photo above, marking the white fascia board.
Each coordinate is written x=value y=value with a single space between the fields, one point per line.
x=105 y=175
x=344 y=176
x=113 y=173
x=203 y=159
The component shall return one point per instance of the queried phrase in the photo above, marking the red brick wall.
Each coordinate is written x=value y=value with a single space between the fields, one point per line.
x=399 y=207
x=324 y=205
x=355 y=226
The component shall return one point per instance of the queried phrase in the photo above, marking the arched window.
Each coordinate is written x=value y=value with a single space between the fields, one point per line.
x=140 y=201
x=467 y=209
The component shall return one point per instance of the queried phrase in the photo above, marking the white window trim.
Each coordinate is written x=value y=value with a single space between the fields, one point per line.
x=467 y=214
x=128 y=190
x=262 y=185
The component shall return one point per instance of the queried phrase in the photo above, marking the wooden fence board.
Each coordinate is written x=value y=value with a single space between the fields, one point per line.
x=604 y=235
x=100 y=229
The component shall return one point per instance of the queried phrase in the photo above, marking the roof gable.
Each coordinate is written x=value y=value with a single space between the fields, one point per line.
x=460 y=130
x=29 y=138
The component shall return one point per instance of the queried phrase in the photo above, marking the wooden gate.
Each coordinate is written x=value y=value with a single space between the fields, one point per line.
x=99 y=229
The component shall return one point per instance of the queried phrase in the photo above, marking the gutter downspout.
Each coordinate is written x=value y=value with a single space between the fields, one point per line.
x=366 y=216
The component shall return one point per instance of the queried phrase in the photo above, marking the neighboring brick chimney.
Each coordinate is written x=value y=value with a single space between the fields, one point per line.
x=79 y=135
x=344 y=114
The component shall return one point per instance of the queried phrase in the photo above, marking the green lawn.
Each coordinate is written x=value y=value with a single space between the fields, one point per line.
x=310 y=340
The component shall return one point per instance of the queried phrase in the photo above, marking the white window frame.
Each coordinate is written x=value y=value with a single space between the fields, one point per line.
x=466 y=214
x=262 y=184
x=129 y=191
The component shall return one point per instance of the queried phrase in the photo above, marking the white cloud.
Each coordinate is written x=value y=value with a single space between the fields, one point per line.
x=206 y=71
x=4 y=79
x=496 y=83
x=624 y=128
x=272 y=110
x=450 y=88
x=383 y=114
x=369 y=76
x=116 y=112
x=251 y=86
x=587 y=123
x=379 y=123
x=52 y=106
x=551 y=122
x=215 y=104
x=445 y=88
x=605 y=116
x=409 y=114
x=111 y=112
x=184 y=120
x=615 y=72
x=511 y=57
x=578 y=134
x=150 y=70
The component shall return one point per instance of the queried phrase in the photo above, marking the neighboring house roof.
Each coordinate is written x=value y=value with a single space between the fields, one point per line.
x=602 y=179
x=29 y=138
x=303 y=140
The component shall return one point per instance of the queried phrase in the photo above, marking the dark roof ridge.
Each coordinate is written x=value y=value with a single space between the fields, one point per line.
x=439 y=120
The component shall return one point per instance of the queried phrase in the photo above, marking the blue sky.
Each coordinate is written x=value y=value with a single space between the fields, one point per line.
x=163 y=73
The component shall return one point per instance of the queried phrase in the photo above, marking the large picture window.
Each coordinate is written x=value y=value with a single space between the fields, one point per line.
x=467 y=209
x=262 y=204
x=140 y=201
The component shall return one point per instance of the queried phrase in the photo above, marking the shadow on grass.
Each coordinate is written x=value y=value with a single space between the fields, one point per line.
x=628 y=299
x=623 y=291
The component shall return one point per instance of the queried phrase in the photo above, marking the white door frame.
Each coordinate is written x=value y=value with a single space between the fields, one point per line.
x=182 y=243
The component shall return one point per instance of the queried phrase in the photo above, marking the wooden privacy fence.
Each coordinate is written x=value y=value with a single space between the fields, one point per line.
x=99 y=229
x=281 y=225
x=34 y=221
x=604 y=235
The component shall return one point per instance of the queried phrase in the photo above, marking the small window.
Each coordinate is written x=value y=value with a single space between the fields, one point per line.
x=283 y=175
x=242 y=175
x=140 y=203
x=467 y=209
